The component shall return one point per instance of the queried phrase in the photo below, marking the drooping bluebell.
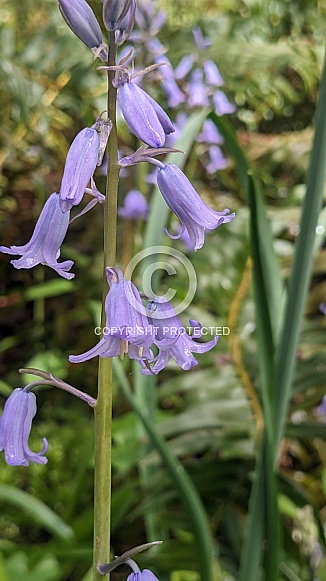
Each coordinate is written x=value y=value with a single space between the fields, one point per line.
x=171 y=338
x=127 y=329
x=134 y=207
x=44 y=246
x=15 y=427
x=185 y=202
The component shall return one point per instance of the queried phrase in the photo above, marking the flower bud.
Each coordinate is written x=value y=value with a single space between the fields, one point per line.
x=80 y=165
x=113 y=12
x=82 y=21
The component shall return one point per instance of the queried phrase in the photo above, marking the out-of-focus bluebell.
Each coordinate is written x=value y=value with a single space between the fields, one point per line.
x=44 y=246
x=149 y=21
x=222 y=104
x=127 y=330
x=322 y=308
x=80 y=165
x=201 y=41
x=212 y=74
x=181 y=197
x=184 y=67
x=134 y=207
x=210 y=134
x=82 y=21
x=217 y=160
x=197 y=90
x=15 y=428
x=171 y=338
x=321 y=409
x=174 y=95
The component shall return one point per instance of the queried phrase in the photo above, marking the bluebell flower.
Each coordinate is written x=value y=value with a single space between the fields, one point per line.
x=143 y=115
x=174 y=95
x=171 y=338
x=44 y=246
x=222 y=104
x=82 y=21
x=197 y=90
x=212 y=74
x=15 y=427
x=181 y=197
x=201 y=41
x=321 y=409
x=127 y=329
x=80 y=165
x=210 y=134
x=322 y=308
x=126 y=24
x=137 y=574
x=134 y=207
x=217 y=160
x=144 y=575
x=184 y=67
x=113 y=12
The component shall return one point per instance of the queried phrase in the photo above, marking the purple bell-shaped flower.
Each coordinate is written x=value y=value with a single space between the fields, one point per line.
x=127 y=329
x=181 y=197
x=44 y=246
x=15 y=427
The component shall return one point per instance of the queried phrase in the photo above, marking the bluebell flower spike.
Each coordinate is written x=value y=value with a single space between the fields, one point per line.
x=15 y=428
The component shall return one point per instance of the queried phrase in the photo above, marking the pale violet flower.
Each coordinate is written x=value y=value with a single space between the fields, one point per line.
x=44 y=246
x=181 y=197
x=143 y=115
x=171 y=338
x=127 y=329
x=15 y=427
x=80 y=165
x=217 y=160
x=222 y=104
x=134 y=206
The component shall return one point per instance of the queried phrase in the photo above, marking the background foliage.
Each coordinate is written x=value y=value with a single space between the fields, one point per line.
x=270 y=55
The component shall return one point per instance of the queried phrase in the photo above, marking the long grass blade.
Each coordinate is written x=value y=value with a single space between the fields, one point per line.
x=301 y=270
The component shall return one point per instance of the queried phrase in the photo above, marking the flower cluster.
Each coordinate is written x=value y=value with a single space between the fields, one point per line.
x=131 y=329
x=196 y=82
x=52 y=225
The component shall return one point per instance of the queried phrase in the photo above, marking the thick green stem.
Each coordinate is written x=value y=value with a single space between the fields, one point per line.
x=103 y=408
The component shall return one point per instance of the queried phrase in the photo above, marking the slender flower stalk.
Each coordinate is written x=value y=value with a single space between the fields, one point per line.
x=103 y=408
